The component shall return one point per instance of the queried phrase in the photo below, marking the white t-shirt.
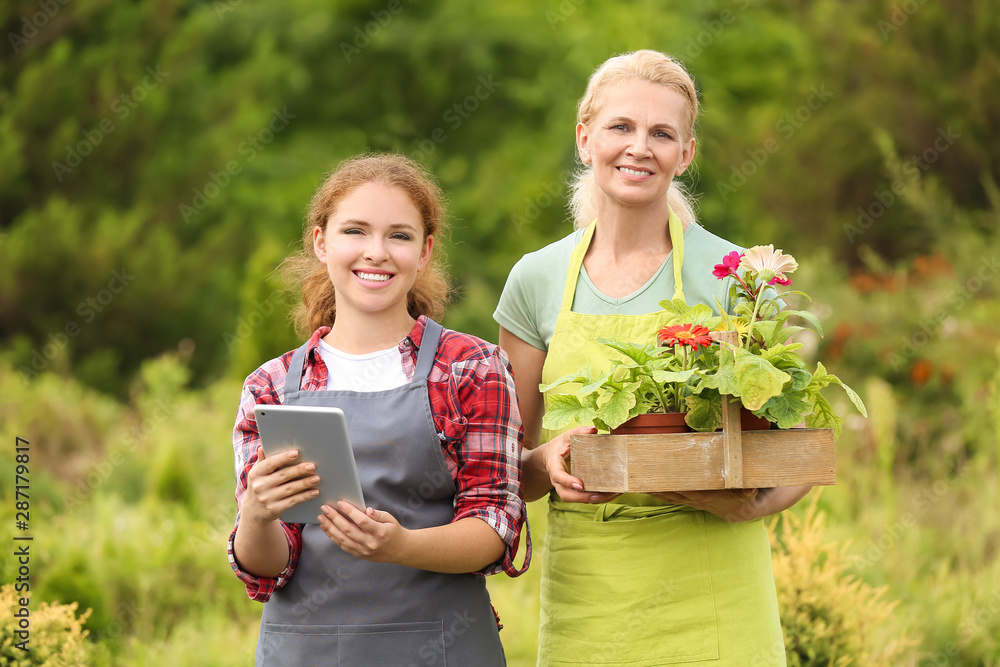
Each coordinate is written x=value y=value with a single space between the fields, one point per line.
x=375 y=371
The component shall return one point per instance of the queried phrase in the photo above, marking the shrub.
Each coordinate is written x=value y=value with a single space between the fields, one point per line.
x=57 y=636
x=828 y=617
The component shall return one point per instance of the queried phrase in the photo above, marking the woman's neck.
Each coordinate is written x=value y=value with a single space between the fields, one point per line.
x=357 y=332
x=624 y=231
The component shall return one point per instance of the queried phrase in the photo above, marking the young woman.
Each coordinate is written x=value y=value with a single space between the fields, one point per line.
x=436 y=432
x=634 y=579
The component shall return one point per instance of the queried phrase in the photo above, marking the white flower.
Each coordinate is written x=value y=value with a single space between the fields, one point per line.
x=767 y=263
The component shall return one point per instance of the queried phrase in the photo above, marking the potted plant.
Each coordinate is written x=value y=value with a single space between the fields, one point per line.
x=691 y=373
x=645 y=380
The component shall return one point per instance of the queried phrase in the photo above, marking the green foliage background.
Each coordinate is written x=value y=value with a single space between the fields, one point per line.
x=145 y=203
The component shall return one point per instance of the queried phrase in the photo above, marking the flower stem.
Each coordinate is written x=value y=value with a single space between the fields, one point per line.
x=753 y=318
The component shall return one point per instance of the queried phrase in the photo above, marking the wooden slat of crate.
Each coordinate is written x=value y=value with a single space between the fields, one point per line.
x=697 y=461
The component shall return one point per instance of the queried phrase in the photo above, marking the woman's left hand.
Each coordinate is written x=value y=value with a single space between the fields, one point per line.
x=737 y=505
x=733 y=505
x=371 y=534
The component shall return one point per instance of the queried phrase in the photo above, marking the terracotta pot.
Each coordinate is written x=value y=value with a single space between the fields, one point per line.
x=654 y=422
x=751 y=422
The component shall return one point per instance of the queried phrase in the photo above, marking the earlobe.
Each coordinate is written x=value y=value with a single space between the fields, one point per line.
x=319 y=244
x=425 y=254
x=687 y=158
x=582 y=143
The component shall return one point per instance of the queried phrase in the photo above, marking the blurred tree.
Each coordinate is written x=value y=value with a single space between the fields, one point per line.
x=156 y=158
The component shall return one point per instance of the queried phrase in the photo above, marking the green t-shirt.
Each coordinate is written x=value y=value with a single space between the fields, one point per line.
x=529 y=304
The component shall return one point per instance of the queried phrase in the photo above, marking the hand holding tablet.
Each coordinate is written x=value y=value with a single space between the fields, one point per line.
x=321 y=437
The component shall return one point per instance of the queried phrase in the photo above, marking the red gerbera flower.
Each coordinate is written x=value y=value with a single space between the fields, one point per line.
x=728 y=267
x=692 y=335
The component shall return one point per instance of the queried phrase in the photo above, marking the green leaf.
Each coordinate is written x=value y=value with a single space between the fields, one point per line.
x=566 y=410
x=797 y=293
x=663 y=377
x=640 y=354
x=823 y=416
x=787 y=410
x=800 y=378
x=594 y=387
x=704 y=411
x=676 y=307
x=581 y=376
x=702 y=315
x=724 y=379
x=758 y=379
x=808 y=317
x=783 y=355
x=822 y=378
x=613 y=409
x=767 y=329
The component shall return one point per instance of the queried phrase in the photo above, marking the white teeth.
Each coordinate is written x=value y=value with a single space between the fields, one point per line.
x=633 y=172
x=377 y=277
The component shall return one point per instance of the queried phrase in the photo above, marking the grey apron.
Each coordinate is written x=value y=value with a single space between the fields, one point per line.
x=340 y=610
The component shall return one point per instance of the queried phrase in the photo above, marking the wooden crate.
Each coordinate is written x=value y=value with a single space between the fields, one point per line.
x=726 y=459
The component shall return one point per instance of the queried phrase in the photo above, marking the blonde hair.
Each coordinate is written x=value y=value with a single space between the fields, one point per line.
x=644 y=65
x=305 y=272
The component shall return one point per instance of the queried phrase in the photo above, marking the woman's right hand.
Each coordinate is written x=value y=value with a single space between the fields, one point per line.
x=277 y=483
x=569 y=488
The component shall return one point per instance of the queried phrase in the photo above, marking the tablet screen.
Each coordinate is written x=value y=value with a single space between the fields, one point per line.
x=320 y=434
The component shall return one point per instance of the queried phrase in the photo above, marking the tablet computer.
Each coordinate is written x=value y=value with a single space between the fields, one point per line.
x=320 y=434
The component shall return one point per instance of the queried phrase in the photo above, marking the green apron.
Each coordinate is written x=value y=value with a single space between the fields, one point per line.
x=639 y=582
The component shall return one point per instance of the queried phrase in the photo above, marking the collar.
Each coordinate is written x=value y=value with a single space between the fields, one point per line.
x=410 y=342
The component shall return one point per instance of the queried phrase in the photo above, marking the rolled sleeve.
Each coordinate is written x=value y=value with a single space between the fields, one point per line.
x=257 y=389
x=488 y=455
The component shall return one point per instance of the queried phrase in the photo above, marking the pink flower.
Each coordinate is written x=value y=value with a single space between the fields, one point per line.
x=777 y=280
x=768 y=263
x=728 y=267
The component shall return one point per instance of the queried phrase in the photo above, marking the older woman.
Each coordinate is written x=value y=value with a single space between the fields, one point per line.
x=634 y=579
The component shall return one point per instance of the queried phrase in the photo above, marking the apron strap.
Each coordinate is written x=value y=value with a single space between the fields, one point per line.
x=677 y=241
x=428 y=350
x=576 y=260
x=296 y=367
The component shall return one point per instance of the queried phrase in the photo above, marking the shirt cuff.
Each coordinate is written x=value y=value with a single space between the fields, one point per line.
x=261 y=588
x=510 y=532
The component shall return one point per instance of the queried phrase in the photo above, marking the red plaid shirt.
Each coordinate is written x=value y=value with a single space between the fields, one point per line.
x=475 y=414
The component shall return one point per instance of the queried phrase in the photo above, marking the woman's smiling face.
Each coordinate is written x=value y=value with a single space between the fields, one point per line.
x=373 y=247
x=636 y=143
